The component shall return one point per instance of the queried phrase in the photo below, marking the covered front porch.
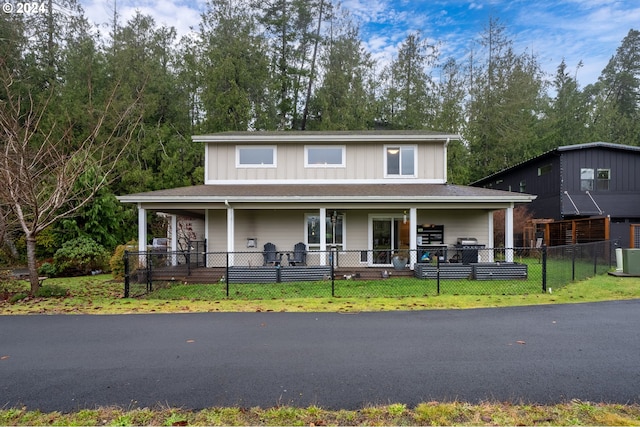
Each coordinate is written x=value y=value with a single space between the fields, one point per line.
x=363 y=236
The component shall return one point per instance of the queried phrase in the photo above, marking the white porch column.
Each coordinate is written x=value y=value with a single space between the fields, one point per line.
x=323 y=236
x=174 y=240
x=492 y=243
x=142 y=233
x=231 y=226
x=206 y=234
x=413 y=237
x=508 y=234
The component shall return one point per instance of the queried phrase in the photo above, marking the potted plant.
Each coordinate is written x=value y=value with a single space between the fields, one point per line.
x=400 y=259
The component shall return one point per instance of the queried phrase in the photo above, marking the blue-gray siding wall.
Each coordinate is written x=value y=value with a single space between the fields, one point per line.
x=545 y=186
x=622 y=199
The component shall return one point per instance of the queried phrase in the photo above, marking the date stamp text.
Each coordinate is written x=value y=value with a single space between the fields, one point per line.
x=26 y=8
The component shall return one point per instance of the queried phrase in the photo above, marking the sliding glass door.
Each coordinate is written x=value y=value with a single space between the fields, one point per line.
x=388 y=235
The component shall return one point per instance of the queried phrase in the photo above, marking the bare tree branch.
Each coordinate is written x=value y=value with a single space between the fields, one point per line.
x=47 y=172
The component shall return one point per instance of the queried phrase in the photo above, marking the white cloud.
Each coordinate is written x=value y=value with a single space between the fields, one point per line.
x=168 y=13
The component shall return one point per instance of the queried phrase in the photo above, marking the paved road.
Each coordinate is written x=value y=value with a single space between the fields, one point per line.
x=538 y=354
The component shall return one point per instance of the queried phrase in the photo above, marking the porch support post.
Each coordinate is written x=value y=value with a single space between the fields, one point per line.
x=492 y=243
x=323 y=236
x=142 y=233
x=413 y=237
x=230 y=232
x=206 y=234
x=174 y=240
x=508 y=233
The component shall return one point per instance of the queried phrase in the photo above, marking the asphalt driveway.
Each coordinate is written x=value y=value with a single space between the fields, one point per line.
x=542 y=354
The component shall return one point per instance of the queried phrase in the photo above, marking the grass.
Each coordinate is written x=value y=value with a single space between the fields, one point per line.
x=428 y=413
x=101 y=295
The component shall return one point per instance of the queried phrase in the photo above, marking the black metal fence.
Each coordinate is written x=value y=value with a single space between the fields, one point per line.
x=365 y=273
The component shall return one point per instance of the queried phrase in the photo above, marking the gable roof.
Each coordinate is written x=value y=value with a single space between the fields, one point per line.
x=557 y=152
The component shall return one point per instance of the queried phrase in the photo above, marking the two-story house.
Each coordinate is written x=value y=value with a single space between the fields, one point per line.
x=595 y=179
x=370 y=192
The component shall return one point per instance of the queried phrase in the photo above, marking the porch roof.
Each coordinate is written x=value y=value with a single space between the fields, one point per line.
x=311 y=193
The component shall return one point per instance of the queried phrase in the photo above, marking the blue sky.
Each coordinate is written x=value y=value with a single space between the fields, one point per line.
x=576 y=30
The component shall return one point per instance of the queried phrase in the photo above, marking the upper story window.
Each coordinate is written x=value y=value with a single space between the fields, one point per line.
x=603 y=179
x=256 y=156
x=400 y=161
x=586 y=179
x=544 y=170
x=324 y=156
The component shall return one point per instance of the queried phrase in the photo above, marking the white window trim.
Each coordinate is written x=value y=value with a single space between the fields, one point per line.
x=415 y=161
x=314 y=165
x=274 y=148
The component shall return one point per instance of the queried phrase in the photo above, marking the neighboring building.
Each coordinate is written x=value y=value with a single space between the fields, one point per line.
x=597 y=179
x=379 y=190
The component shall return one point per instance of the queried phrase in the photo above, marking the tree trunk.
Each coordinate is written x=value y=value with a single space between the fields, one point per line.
x=31 y=262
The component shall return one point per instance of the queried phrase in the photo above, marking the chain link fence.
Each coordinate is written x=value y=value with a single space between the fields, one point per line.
x=193 y=275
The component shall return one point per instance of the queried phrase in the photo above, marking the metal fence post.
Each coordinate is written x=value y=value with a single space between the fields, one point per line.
x=226 y=274
x=438 y=273
x=188 y=260
x=333 y=273
x=149 y=272
x=125 y=261
x=204 y=254
x=544 y=268
x=573 y=262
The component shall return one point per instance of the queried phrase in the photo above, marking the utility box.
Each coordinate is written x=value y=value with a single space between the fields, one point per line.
x=631 y=261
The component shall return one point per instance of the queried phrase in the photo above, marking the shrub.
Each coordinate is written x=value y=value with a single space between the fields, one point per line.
x=18 y=297
x=10 y=288
x=117 y=263
x=47 y=269
x=80 y=256
x=51 y=291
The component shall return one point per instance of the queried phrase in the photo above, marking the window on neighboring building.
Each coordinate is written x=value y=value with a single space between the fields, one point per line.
x=324 y=156
x=523 y=186
x=400 y=160
x=543 y=170
x=586 y=179
x=312 y=222
x=603 y=179
x=256 y=156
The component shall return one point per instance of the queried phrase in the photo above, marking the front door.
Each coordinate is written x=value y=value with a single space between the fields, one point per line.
x=388 y=236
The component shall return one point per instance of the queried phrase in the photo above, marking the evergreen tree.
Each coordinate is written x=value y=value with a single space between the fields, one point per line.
x=344 y=100
x=507 y=99
x=236 y=91
x=410 y=98
x=616 y=95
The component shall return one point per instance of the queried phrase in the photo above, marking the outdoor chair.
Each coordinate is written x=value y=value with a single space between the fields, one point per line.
x=271 y=255
x=299 y=255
